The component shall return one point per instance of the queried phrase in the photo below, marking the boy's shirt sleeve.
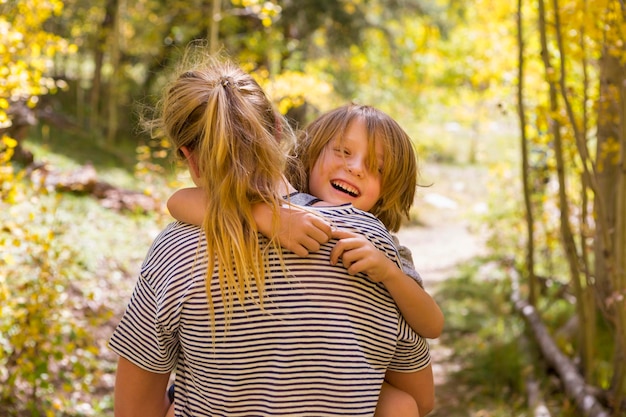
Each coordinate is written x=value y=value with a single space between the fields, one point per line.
x=406 y=259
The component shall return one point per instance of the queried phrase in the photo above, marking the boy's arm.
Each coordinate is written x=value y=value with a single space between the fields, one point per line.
x=299 y=231
x=418 y=308
x=188 y=205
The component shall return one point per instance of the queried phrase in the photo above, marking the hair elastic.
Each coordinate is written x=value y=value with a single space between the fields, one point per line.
x=225 y=81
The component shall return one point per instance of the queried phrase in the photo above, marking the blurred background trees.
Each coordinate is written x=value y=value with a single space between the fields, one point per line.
x=454 y=74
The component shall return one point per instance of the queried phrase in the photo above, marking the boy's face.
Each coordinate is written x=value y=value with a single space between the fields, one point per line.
x=340 y=174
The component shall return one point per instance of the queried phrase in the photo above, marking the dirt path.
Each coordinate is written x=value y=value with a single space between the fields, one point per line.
x=446 y=237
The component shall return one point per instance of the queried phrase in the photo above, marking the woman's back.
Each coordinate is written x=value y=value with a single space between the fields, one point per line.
x=319 y=345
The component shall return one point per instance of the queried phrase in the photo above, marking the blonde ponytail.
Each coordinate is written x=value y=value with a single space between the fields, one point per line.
x=219 y=113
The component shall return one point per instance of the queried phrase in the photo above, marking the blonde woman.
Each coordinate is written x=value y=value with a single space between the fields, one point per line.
x=251 y=330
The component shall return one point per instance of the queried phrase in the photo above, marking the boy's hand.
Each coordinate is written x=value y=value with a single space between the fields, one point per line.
x=359 y=255
x=302 y=232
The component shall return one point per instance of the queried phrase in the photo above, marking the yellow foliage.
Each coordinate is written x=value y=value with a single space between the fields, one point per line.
x=38 y=330
x=290 y=89
x=266 y=11
x=9 y=142
x=27 y=50
x=609 y=152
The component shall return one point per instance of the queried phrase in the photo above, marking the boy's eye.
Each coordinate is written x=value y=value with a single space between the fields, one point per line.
x=342 y=151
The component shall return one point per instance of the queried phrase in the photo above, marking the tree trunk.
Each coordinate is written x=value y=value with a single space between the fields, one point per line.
x=573 y=382
x=584 y=296
x=115 y=80
x=84 y=181
x=216 y=17
x=567 y=236
x=530 y=222
x=99 y=48
x=610 y=262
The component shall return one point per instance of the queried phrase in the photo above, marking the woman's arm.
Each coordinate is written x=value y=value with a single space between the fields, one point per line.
x=418 y=308
x=138 y=392
x=299 y=231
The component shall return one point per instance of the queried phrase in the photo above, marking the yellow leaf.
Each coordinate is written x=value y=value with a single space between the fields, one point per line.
x=8 y=259
x=9 y=142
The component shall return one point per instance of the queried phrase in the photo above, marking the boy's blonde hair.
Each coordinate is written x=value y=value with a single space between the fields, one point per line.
x=399 y=170
x=224 y=118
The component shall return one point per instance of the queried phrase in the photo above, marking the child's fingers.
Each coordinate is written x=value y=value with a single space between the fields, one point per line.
x=342 y=247
x=312 y=244
x=321 y=233
x=337 y=252
x=322 y=227
x=343 y=234
x=302 y=245
x=299 y=250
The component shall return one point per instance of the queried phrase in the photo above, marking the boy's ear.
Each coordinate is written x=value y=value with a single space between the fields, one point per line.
x=191 y=160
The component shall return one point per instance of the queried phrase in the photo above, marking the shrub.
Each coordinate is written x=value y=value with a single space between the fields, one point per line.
x=46 y=348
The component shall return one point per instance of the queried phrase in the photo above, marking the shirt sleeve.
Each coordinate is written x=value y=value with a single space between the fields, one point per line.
x=412 y=351
x=140 y=338
x=406 y=259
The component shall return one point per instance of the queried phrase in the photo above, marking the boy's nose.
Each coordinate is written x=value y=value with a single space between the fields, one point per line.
x=356 y=168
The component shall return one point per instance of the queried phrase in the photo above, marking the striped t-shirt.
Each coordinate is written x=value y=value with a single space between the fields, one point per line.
x=319 y=345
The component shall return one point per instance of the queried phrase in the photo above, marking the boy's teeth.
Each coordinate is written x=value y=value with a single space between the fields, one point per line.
x=348 y=190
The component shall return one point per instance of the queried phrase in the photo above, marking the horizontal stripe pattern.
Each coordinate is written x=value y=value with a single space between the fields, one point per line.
x=318 y=345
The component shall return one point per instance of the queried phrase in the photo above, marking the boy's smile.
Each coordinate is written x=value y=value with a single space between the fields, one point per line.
x=346 y=188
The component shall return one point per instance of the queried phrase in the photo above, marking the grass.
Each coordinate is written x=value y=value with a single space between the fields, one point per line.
x=102 y=232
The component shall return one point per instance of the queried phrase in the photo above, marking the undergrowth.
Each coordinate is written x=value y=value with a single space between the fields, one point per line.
x=67 y=267
x=494 y=357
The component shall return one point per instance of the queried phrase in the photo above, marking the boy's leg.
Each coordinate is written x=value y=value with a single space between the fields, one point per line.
x=170 y=411
x=393 y=402
x=170 y=396
x=420 y=385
